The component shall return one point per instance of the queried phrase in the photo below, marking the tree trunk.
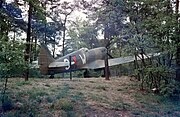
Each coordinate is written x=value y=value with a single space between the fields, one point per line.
x=1 y=2
x=35 y=48
x=54 y=48
x=178 y=42
x=107 y=44
x=64 y=34
x=45 y=34
x=4 y=90
x=31 y=49
x=27 y=50
x=14 y=37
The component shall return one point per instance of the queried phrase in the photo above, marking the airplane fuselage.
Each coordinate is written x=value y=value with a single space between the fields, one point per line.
x=79 y=59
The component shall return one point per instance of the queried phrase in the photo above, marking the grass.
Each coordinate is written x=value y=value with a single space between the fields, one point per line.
x=62 y=93
x=121 y=106
x=86 y=97
x=63 y=104
x=157 y=105
x=23 y=83
x=49 y=99
x=35 y=94
x=78 y=96
x=96 y=98
x=101 y=87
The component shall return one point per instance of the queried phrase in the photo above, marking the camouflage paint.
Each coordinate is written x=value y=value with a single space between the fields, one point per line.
x=79 y=59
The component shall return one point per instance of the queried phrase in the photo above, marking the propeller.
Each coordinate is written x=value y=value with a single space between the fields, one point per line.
x=110 y=55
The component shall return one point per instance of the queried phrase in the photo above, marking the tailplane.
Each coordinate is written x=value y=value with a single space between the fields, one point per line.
x=44 y=59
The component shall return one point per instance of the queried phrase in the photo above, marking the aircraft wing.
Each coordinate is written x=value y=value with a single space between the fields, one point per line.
x=121 y=60
x=95 y=65
x=116 y=61
x=58 y=64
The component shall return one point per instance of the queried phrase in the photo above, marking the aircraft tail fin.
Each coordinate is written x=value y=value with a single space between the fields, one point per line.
x=44 y=59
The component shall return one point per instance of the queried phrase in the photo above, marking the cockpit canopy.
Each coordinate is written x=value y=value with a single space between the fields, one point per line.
x=84 y=49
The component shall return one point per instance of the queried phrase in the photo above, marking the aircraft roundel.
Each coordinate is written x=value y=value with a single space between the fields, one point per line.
x=74 y=59
x=66 y=60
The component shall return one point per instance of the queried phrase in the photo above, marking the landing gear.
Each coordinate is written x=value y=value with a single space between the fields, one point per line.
x=86 y=74
x=103 y=75
x=51 y=76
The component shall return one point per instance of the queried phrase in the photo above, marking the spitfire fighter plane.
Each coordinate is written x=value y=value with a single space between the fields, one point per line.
x=81 y=59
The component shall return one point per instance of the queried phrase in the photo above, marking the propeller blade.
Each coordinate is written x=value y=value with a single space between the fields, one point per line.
x=110 y=55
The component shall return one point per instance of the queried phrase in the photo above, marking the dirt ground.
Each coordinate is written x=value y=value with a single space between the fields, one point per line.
x=84 y=97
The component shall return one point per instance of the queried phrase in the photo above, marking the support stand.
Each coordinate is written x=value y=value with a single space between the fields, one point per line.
x=70 y=73
x=106 y=68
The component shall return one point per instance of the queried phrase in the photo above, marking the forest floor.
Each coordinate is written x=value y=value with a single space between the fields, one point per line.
x=84 y=97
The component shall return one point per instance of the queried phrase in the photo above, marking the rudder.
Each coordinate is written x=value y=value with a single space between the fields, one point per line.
x=44 y=59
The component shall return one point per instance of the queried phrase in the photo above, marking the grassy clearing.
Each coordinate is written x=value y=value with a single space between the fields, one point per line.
x=85 y=97
x=23 y=83
x=63 y=104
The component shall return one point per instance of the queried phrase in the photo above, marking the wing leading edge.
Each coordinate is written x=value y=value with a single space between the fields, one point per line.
x=116 y=61
x=58 y=64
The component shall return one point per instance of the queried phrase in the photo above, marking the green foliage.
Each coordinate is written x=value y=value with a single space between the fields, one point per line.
x=38 y=9
x=122 y=70
x=35 y=73
x=7 y=103
x=11 y=64
x=153 y=27
x=170 y=90
x=11 y=58
x=152 y=77
x=92 y=73
x=78 y=74
x=83 y=34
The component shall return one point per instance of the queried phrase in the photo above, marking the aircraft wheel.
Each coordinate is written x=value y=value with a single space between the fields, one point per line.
x=51 y=76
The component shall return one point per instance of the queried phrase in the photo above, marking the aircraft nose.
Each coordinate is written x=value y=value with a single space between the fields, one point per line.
x=104 y=50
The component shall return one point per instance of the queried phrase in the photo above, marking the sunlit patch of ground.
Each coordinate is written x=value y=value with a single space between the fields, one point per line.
x=87 y=97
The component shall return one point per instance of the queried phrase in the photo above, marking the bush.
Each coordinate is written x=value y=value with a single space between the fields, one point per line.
x=6 y=103
x=33 y=72
x=171 y=89
x=64 y=104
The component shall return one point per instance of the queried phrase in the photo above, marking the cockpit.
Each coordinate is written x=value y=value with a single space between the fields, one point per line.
x=84 y=49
